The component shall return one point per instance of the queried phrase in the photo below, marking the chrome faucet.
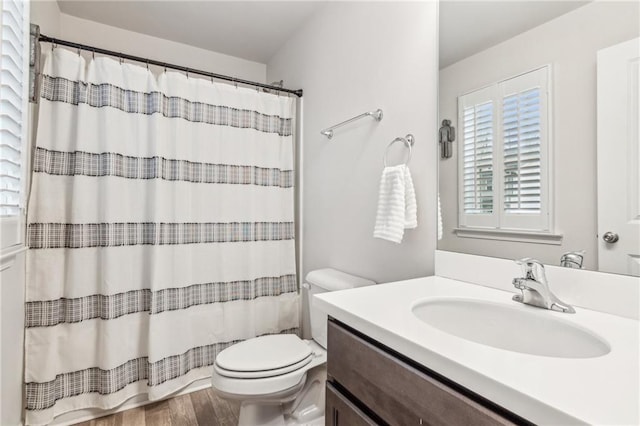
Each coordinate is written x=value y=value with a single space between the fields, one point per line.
x=535 y=288
x=572 y=259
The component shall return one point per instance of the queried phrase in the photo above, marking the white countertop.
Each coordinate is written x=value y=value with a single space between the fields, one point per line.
x=544 y=390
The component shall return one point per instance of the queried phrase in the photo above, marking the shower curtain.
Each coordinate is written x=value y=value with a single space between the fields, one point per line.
x=160 y=228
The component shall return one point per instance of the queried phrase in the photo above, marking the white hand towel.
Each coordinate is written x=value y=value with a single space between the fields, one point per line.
x=439 y=218
x=397 y=208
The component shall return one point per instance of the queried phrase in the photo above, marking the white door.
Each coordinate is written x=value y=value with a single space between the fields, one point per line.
x=619 y=158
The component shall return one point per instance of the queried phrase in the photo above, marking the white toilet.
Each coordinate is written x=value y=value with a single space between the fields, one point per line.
x=280 y=379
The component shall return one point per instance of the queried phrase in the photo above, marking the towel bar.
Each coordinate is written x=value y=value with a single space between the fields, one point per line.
x=377 y=115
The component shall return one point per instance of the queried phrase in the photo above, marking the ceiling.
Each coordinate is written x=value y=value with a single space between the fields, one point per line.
x=255 y=30
x=252 y=30
x=468 y=27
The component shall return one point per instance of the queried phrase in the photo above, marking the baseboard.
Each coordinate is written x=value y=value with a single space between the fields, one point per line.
x=88 y=414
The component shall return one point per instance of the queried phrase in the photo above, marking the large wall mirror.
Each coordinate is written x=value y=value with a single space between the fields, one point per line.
x=543 y=98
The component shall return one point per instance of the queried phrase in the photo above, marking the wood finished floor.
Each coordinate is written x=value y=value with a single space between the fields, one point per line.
x=201 y=408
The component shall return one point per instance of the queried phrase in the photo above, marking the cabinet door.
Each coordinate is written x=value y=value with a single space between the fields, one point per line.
x=395 y=391
x=341 y=412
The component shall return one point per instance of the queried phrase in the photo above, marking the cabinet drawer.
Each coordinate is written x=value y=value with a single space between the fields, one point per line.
x=397 y=392
x=341 y=412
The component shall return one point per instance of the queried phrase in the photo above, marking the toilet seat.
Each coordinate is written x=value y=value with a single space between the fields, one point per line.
x=262 y=374
x=236 y=383
x=263 y=354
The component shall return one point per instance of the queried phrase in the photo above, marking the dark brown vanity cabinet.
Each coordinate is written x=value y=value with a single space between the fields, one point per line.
x=368 y=384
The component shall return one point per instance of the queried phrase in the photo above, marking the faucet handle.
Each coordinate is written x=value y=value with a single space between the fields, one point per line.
x=527 y=261
x=519 y=283
x=572 y=259
x=531 y=268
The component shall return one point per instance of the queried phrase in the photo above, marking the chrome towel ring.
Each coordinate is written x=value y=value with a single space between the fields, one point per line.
x=408 y=142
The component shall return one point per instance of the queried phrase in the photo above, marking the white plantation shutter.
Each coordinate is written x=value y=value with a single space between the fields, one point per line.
x=476 y=115
x=504 y=161
x=13 y=121
x=478 y=158
x=521 y=151
x=524 y=146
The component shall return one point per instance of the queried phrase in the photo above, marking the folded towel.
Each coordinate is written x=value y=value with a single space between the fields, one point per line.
x=397 y=209
x=439 y=218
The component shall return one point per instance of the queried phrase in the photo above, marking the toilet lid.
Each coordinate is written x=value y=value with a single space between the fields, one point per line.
x=264 y=353
x=262 y=374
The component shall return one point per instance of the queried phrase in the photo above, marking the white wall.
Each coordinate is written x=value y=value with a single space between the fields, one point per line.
x=46 y=14
x=350 y=58
x=67 y=27
x=119 y=40
x=569 y=43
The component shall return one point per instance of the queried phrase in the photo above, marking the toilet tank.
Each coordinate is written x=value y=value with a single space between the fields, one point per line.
x=321 y=281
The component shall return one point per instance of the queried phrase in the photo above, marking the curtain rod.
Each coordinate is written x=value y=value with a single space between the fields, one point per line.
x=56 y=41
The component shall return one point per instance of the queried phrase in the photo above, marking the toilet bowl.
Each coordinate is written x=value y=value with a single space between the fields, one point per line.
x=280 y=379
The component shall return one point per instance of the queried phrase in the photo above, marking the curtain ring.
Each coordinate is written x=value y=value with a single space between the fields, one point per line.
x=93 y=54
x=78 y=51
x=147 y=65
x=121 y=60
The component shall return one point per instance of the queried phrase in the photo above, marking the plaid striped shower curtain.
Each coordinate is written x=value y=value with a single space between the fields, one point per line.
x=160 y=228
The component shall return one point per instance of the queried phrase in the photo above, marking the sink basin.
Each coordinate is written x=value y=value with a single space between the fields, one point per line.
x=514 y=328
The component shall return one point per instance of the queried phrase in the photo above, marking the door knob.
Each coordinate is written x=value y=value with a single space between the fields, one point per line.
x=610 y=237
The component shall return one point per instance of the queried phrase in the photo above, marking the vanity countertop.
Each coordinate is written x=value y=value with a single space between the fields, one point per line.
x=544 y=390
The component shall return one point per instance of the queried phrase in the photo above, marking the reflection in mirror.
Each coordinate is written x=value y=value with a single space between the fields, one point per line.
x=543 y=98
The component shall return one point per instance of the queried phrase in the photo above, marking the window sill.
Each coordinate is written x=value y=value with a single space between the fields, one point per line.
x=510 y=235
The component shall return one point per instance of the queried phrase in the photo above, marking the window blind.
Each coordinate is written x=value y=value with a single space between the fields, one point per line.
x=12 y=81
x=521 y=152
x=478 y=158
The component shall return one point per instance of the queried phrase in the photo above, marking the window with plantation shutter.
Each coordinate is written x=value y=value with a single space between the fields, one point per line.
x=13 y=118
x=504 y=155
